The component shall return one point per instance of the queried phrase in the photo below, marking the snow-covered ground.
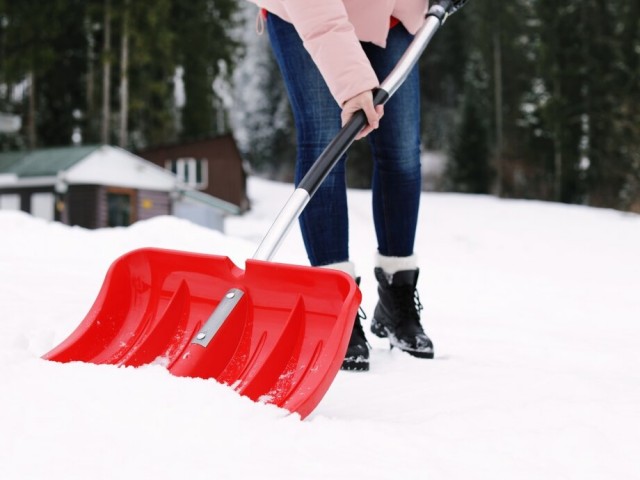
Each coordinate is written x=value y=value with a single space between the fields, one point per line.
x=534 y=309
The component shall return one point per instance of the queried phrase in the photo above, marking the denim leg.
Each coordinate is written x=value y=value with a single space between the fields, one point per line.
x=395 y=146
x=324 y=221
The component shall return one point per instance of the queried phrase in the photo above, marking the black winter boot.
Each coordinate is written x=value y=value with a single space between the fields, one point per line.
x=397 y=314
x=357 y=356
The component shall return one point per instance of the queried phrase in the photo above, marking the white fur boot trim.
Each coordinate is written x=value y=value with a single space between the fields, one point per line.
x=392 y=265
x=347 y=267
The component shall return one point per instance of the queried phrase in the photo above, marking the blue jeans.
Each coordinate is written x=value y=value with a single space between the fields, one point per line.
x=395 y=148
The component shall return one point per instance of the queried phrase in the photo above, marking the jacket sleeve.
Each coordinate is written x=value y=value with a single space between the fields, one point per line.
x=331 y=41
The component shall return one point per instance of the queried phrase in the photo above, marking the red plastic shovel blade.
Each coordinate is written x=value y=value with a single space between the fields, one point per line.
x=276 y=333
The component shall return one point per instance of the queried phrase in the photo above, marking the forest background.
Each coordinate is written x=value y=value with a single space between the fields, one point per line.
x=533 y=99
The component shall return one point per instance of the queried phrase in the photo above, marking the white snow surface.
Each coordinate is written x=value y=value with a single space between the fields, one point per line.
x=534 y=309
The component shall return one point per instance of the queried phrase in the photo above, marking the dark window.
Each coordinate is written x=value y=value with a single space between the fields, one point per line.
x=199 y=180
x=119 y=205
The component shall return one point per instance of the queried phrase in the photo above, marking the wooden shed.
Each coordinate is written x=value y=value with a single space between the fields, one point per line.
x=100 y=186
x=211 y=165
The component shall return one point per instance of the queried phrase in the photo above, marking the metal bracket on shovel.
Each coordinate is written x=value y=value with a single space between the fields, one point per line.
x=278 y=333
x=218 y=317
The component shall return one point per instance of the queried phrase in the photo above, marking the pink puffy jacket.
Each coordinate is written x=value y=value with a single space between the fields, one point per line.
x=331 y=31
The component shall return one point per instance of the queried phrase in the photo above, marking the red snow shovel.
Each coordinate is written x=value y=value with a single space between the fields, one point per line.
x=276 y=333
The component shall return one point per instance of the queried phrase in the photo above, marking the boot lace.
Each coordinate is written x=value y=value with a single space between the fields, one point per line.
x=408 y=304
x=357 y=327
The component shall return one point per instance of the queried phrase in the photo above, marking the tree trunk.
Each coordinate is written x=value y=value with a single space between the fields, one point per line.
x=558 y=143
x=31 y=123
x=106 y=74
x=90 y=85
x=124 y=78
x=497 y=72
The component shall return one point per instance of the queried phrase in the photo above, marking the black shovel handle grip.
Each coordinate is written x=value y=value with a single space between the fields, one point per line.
x=338 y=146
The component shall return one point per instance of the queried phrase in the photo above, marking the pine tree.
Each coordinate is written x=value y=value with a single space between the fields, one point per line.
x=152 y=65
x=30 y=42
x=206 y=51
x=468 y=169
x=442 y=70
x=611 y=114
x=262 y=118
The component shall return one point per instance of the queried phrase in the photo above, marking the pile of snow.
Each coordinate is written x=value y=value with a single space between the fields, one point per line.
x=533 y=307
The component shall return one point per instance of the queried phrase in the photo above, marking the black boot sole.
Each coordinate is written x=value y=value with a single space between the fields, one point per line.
x=355 y=364
x=415 y=353
x=378 y=329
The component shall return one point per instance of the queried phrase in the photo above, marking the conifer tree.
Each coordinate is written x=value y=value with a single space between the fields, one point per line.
x=30 y=53
x=262 y=117
x=468 y=169
x=206 y=50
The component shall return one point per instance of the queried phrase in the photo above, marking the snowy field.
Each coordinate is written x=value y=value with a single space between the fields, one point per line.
x=534 y=309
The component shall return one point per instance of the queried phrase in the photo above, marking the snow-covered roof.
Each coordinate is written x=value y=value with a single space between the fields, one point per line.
x=46 y=162
x=95 y=165
x=115 y=166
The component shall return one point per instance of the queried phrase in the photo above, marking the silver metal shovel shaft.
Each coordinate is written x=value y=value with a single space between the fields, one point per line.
x=402 y=69
x=282 y=224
